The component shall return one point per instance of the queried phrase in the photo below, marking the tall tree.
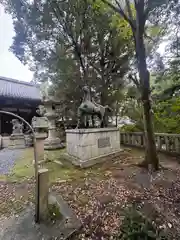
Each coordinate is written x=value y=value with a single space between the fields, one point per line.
x=71 y=44
x=167 y=80
x=143 y=9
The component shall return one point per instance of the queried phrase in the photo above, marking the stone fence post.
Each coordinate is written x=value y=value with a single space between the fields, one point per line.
x=165 y=142
x=43 y=192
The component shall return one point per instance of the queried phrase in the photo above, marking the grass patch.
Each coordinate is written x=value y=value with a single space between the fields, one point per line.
x=68 y=171
x=54 y=154
x=3 y=178
x=64 y=172
x=24 y=169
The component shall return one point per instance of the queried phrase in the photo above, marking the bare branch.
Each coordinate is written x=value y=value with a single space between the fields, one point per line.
x=134 y=80
x=122 y=13
x=129 y=10
x=149 y=37
x=96 y=68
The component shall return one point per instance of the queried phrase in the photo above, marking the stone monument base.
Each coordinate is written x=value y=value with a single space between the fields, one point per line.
x=86 y=147
x=17 y=141
x=52 y=144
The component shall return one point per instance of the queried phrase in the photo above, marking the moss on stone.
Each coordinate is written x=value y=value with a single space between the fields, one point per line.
x=54 y=212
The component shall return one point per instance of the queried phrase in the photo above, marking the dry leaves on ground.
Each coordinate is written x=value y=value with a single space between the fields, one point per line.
x=99 y=200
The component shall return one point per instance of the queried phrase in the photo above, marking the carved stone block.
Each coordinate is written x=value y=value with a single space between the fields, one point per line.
x=40 y=123
x=87 y=146
x=104 y=142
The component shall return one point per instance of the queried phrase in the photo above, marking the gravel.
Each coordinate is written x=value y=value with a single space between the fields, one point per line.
x=7 y=159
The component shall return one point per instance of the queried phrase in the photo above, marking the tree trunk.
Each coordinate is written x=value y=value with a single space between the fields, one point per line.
x=116 y=120
x=151 y=157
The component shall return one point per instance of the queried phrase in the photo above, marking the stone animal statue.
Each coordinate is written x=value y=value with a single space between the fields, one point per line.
x=17 y=126
x=91 y=108
x=40 y=123
x=41 y=110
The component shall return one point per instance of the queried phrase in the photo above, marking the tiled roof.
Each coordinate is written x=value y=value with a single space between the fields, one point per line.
x=12 y=88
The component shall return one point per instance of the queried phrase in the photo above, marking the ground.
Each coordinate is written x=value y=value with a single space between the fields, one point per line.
x=98 y=195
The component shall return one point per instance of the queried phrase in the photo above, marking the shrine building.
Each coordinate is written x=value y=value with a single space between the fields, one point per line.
x=19 y=97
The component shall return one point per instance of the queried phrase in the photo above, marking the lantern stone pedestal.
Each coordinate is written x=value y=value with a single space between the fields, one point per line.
x=40 y=125
x=52 y=142
x=40 y=137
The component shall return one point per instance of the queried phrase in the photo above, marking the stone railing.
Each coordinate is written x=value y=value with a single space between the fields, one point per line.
x=169 y=143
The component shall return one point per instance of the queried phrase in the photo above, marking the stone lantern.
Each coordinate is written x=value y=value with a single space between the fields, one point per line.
x=40 y=126
x=52 y=141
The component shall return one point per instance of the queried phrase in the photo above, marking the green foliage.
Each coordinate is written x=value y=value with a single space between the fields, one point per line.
x=73 y=43
x=122 y=26
x=135 y=226
x=167 y=116
x=168 y=81
x=131 y=128
x=133 y=109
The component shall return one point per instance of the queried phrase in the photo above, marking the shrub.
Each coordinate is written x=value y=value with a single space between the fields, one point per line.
x=167 y=116
x=135 y=226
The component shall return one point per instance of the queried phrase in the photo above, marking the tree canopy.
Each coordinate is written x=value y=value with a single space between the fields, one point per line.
x=73 y=43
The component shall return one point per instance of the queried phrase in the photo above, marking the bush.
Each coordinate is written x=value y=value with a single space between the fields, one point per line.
x=137 y=227
x=167 y=116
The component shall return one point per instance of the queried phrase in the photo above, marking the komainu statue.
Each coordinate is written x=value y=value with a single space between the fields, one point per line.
x=17 y=127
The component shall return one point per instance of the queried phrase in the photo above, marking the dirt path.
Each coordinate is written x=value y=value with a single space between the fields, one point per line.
x=8 y=158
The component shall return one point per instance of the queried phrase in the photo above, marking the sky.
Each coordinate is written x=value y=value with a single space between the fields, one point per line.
x=10 y=66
